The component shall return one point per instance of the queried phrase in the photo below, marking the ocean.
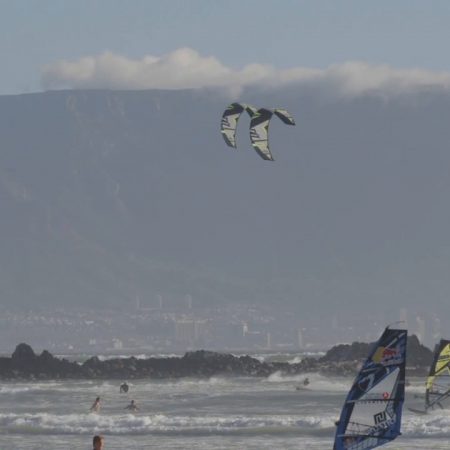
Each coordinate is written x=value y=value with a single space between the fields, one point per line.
x=217 y=413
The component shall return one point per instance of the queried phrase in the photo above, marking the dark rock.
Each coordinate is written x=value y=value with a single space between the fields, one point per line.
x=23 y=352
x=417 y=355
x=46 y=356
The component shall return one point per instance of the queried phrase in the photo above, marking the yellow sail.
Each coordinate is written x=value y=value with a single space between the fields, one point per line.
x=438 y=381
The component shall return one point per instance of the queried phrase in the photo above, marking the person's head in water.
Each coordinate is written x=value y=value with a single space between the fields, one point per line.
x=97 y=442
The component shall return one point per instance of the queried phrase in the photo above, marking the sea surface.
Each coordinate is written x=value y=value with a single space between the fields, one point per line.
x=217 y=413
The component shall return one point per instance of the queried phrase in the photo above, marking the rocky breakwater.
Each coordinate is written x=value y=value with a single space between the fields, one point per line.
x=26 y=365
x=193 y=364
x=418 y=357
x=341 y=360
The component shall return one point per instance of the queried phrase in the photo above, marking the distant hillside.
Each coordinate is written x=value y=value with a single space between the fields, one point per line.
x=108 y=195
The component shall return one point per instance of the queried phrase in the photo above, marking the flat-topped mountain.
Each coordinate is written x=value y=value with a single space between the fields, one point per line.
x=106 y=196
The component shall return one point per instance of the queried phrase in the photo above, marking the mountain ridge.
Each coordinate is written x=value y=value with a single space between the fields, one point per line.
x=109 y=195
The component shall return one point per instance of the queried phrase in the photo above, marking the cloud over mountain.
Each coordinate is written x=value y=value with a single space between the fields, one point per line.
x=185 y=68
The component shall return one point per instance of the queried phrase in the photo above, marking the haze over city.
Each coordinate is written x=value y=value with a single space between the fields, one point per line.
x=117 y=189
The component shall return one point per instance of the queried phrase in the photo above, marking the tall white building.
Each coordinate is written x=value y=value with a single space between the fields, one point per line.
x=420 y=329
x=300 y=339
x=404 y=316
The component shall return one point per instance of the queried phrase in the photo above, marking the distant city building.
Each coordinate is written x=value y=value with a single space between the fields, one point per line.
x=404 y=317
x=150 y=306
x=190 y=331
x=117 y=344
x=300 y=339
x=437 y=332
x=159 y=299
x=185 y=331
x=420 y=329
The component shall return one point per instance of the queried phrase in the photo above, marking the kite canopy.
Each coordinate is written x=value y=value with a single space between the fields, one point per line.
x=259 y=126
x=259 y=129
x=230 y=120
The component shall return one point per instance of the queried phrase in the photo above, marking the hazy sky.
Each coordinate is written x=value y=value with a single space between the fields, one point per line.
x=182 y=41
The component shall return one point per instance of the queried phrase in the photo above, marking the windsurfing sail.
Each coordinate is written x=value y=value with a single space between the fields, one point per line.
x=438 y=382
x=229 y=122
x=259 y=129
x=371 y=415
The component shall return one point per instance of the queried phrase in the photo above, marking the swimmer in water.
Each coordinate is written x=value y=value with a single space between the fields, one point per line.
x=96 y=405
x=132 y=406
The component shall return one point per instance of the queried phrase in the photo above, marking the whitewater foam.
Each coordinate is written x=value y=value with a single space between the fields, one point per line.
x=150 y=424
x=317 y=382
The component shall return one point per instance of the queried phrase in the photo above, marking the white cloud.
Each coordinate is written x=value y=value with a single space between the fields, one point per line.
x=186 y=68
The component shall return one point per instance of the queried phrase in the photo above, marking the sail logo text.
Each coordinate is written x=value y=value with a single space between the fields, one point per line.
x=388 y=356
x=381 y=423
x=371 y=396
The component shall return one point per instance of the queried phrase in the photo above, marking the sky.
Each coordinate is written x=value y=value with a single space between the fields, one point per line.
x=50 y=44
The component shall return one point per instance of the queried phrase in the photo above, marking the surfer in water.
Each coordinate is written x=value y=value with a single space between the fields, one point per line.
x=97 y=442
x=305 y=383
x=132 y=406
x=123 y=388
x=96 y=405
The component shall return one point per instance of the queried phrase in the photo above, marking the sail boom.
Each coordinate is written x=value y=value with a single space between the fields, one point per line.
x=372 y=401
x=362 y=435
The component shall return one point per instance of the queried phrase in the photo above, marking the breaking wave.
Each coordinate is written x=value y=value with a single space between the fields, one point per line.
x=18 y=388
x=285 y=357
x=43 y=423
x=435 y=424
x=317 y=382
x=431 y=426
